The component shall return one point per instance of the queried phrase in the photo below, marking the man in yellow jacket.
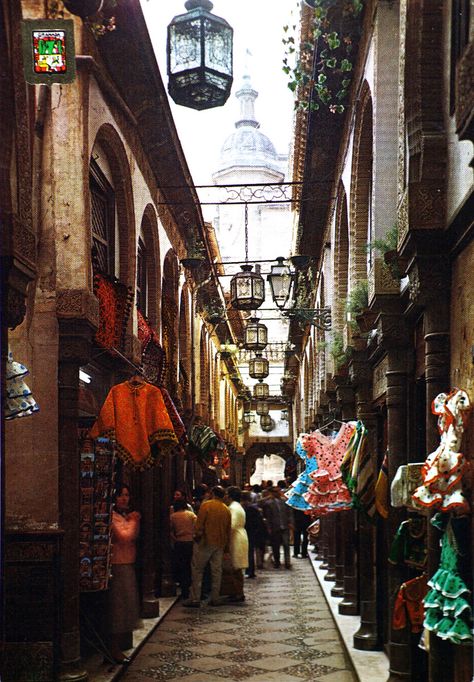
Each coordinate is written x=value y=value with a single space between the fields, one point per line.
x=212 y=539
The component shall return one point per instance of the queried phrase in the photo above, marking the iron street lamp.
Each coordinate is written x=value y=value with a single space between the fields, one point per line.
x=261 y=390
x=199 y=52
x=262 y=407
x=255 y=335
x=259 y=367
x=248 y=418
x=280 y=280
x=266 y=423
x=247 y=289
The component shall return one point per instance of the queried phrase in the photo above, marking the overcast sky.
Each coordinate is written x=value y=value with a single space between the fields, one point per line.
x=258 y=27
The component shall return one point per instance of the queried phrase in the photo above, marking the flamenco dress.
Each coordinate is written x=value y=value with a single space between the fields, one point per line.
x=295 y=493
x=447 y=605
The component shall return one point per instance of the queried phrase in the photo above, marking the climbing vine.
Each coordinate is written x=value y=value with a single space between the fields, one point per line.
x=333 y=70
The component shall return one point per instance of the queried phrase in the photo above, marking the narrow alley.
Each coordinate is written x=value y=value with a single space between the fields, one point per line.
x=283 y=632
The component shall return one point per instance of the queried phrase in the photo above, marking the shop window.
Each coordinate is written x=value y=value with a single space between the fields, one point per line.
x=102 y=221
x=460 y=19
x=142 y=277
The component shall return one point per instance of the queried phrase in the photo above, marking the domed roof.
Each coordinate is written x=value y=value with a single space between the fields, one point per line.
x=247 y=145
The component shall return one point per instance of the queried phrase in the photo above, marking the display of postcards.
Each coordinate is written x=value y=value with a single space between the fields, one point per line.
x=101 y=528
x=99 y=572
x=101 y=548
x=87 y=496
x=84 y=549
x=85 y=531
x=87 y=461
x=102 y=488
x=85 y=513
x=101 y=507
x=85 y=567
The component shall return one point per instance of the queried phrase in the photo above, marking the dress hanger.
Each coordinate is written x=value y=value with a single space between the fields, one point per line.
x=137 y=380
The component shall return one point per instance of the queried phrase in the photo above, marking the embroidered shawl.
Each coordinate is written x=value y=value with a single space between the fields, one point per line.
x=136 y=417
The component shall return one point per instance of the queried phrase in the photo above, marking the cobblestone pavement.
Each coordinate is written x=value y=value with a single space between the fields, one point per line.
x=283 y=632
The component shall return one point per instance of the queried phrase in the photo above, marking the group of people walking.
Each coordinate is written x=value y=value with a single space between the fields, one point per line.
x=218 y=538
x=229 y=535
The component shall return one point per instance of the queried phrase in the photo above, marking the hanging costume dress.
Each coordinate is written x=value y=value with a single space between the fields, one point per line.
x=19 y=401
x=137 y=418
x=295 y=493
x=447 y=604
x=328 y=492
x=444 y=468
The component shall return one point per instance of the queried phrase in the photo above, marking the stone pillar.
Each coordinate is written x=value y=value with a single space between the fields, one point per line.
x=74 y=351
x=149 y=529
x=346 y=575
x=163 y=494
x=367 y=637
x=330 y=524
x=399 y=643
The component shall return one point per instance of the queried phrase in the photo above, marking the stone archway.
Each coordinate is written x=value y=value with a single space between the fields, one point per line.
x=169 y=320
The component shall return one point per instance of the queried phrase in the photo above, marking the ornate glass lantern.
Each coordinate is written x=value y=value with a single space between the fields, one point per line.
x=259 y=367
x=280 y=280
x=266 y=423
x=284 y=415
x=262 y=407
x=247 y=289
x=256 y=335
x=247 y=418
x=199 y=57
x=261 y=390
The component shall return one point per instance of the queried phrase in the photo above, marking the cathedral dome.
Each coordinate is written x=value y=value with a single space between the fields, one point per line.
x=247 y=145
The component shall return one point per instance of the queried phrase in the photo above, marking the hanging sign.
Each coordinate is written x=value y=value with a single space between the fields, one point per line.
x=48 y=51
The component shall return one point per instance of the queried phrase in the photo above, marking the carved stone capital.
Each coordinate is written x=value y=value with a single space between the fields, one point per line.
x=359 y=371
x=77 y=304
x=392 y=331
x=381 y=281
x=427 y=279
x=427 y=206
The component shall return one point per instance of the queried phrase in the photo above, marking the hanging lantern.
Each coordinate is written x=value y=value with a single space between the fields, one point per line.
x=248 y=418
x=199 y=54
x=261 y=390
x=247 y=289
x=280 y=280
x=256 y=335
x=266 y=423
x=259 y=367
x=284 y=415
x=262 y=407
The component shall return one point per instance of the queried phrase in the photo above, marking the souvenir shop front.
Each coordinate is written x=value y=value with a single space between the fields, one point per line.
x=130 y=432
x=407 y=604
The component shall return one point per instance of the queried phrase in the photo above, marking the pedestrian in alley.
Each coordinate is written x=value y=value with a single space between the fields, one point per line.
x=300 y=533
x=239 y=544
x=256 y=533
x=212 y=538
x=279 y=521
x=182 y=523
x=123 y=597
x=180 y=495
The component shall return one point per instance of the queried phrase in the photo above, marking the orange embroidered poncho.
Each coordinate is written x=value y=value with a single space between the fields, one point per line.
x=136 y=417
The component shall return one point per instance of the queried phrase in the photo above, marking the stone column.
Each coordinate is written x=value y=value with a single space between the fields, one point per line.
x=330 y=524
x=346 y=576
x=74 y=351
x=149 y=529
x=162 y=499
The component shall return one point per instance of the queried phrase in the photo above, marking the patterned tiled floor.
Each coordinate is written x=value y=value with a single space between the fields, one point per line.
x=282 y=633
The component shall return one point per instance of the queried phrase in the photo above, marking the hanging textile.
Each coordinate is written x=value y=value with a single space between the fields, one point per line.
x=115 y=303
x=408 y=608
x=137 y=418
x=18 y=400
x=381 y=490
x=409 y=544
x=204 y=439
x=300 y=487
x=178 y=426
x=444 y=468
x=328 y=492
x=448 y=603
x=153 y=362
x=357 y=472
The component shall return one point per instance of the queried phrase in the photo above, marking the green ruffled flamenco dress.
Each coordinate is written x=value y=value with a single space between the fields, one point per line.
x=447 y=609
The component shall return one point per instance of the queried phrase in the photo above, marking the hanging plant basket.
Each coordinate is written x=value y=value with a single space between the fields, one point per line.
x=397 y=264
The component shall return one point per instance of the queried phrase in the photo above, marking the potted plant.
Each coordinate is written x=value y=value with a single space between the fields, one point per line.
x=387 y=247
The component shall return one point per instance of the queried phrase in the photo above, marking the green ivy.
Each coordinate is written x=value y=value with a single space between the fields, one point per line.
x=335 y=59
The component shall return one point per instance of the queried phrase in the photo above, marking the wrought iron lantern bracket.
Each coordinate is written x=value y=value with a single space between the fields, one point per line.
x=318 y=317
